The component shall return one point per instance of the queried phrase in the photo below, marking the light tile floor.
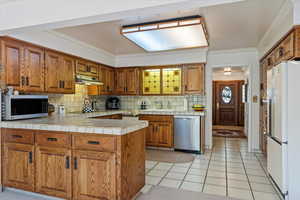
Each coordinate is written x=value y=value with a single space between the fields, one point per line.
x=227 y=170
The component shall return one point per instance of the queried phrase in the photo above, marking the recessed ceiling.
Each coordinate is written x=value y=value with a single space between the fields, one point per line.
x=230 y=26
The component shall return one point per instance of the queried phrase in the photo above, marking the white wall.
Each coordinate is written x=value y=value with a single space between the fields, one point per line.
x=282 y=23
x=163 y=58
x=234 y=76
x=60 y=42
x=235 y=58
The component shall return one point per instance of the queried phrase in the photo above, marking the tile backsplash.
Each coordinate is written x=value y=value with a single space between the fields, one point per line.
x=167 y=102
x=74 y=102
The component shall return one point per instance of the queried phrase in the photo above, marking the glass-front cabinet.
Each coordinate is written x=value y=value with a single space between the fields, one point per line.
x=151 y=81
x=162 y=80
x=171 y=81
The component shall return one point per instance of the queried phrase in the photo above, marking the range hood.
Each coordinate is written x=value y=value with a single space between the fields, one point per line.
x=87 y=80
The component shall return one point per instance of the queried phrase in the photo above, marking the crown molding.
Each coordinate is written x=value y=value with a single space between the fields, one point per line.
x=233 y=51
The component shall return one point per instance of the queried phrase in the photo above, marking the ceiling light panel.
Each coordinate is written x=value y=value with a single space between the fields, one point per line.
x=170 y=35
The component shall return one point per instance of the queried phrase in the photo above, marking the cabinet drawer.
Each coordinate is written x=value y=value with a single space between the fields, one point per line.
x=97 y=143
x=156 y=118
x=53 y=139
x=22 y=136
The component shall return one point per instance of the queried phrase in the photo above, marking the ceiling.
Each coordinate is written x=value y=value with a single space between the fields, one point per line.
x=230 y=26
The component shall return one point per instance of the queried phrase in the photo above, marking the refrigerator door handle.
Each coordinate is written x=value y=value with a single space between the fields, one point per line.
x=269 y=126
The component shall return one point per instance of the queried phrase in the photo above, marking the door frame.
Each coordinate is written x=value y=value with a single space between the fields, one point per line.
x=249 y=69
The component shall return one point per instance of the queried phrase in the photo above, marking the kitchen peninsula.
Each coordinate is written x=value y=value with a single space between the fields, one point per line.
x=74 y=156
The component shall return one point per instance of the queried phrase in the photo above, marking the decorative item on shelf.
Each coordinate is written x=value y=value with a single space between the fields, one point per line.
x=199 y=107
x=61 y=110
x=87 y=106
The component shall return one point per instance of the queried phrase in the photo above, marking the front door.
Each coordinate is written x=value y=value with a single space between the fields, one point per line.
x=228 y=107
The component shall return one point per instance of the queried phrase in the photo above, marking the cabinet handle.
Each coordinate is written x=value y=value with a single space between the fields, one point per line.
x=27 y=80
x=17 y=136
x=153 y=127
x=67 y=162
x=75 y=163
x=281 y=51
x=22 y=80
x=52 y=139
x=63 y=84
x=93 y=142
x=60 y=84
x=30 y=157
x=185 y=87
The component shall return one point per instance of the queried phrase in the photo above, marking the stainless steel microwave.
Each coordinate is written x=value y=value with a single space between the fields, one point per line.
x=16 y=107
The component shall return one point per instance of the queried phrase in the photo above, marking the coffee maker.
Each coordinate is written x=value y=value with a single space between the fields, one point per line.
x=113 y=103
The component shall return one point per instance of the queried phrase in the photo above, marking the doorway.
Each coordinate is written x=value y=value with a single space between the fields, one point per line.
x=229 y=103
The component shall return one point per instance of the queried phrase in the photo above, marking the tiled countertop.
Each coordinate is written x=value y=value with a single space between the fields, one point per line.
x=84 y=123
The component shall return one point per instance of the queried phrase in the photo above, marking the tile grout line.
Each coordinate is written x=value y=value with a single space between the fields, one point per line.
x=247 y=176
x=261 y=165
x=226 y=176
x=185 y=175
x=204 y=181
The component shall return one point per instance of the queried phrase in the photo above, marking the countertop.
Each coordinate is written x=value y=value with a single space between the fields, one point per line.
x=85 y=123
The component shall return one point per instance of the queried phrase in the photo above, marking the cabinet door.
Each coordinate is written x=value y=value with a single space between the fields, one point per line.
x=81 y=67
x=164 y=134
x=12 y=54
x=120 y=81
x=104 y=79
x=194 y=79
x=151 y=139
x=34 y=70
x=53 y=171
x=94 y=175
x=53 y=70
x=132 y=81
x=111 y=80
x=68 y=75
x=18 y=166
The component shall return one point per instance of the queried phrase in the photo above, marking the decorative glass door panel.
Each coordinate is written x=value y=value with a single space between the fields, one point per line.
x=171 y=81
x=151 y=81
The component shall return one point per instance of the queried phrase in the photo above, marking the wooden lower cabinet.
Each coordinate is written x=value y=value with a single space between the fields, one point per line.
x=94 y=175
x=160 y=130
x=53 y=171
x=18 y=166
x=74 y=166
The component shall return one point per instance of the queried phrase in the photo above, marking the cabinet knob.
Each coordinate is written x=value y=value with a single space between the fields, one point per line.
x=30 y=157
x=22 y=80
x=67 y=162
x=75 y=163
x=27 y=80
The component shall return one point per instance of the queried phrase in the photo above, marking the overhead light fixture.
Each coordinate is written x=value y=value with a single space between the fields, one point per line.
x=227 y=71
x=179 y=33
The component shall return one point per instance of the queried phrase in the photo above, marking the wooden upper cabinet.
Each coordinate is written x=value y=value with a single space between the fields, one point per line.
x=194 y=80
x=33 y=74
x=84 y=67
x=106 y=75
x=127 y=81
x=120 y=87
x=53 y=171
x=53 y=63
x=94 y=175
x=60 y=76
x=12 y=56
x=18 y=166
x=68 y=74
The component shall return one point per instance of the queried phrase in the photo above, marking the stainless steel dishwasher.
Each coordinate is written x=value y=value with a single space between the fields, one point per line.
x=187 y=133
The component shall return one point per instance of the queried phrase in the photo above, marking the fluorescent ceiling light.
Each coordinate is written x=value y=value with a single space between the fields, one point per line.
x=227 y=71
x=180 y=33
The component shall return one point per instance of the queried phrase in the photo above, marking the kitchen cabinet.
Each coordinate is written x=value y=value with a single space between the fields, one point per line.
x=160 y=130
x=172 y=81
x=127 y=81
x=94 y=175
x=87 y=68
x=107 y=77
x=53 y=171
x=194 y=78
x=12 y=57
x=60 y=77
x=18 y=166
x=79 y=166
x=23 y=66
x=151 y=81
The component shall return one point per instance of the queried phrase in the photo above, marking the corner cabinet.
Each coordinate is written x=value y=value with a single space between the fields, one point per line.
x=194 y=78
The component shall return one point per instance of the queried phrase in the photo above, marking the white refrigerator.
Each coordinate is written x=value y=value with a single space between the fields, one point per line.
x=283 y=93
